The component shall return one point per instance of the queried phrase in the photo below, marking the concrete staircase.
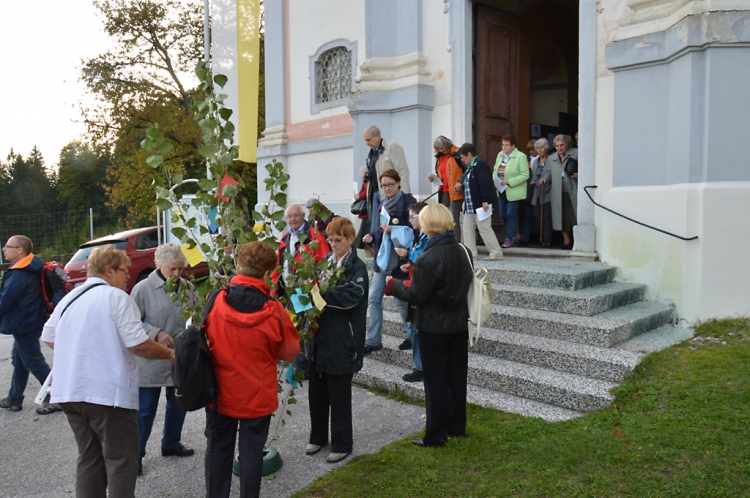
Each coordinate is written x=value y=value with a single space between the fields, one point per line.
x=562 y=334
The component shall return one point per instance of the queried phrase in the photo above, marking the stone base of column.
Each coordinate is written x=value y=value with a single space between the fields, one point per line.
x=585 y=238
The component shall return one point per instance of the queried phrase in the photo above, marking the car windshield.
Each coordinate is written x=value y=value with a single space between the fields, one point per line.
x=83 y=253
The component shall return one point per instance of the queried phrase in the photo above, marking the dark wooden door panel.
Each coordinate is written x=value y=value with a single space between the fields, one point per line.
x=496 y=84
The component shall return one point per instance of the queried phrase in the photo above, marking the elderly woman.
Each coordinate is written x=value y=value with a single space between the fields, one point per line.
x=442 y=276
x=397 y=204
x=162 y=319
x=449 y=168
x=564 y=189
x=512 y=167
x=338 y=348
x=541 y=197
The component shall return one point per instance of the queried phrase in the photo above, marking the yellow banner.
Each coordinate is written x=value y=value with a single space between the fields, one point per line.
x=248 y=71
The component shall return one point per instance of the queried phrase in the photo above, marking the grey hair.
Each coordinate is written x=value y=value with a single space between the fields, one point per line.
x=563 y=138
x=542 y=141
x=372 y=131
x=169 y=253
x=311 y=202
x=441 y=142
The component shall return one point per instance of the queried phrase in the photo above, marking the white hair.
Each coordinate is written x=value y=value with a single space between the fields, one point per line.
x=542 y=141
x=372 y=131
x=169 y=253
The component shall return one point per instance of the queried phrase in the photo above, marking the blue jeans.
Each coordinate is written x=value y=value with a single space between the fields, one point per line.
x=375 y=301
x=502 y=200
x=26 y=357
x=148 y=398
x=510 y=225
x=415 y=349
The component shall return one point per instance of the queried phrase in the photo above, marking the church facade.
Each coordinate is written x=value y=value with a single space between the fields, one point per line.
x=656 y=90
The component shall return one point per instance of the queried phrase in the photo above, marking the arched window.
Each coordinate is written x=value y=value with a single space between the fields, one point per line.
x=332 y=74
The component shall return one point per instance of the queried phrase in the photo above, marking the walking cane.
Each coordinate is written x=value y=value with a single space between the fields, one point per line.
x=541 y=218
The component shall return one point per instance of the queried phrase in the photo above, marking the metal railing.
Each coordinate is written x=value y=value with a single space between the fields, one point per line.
x=585 y=189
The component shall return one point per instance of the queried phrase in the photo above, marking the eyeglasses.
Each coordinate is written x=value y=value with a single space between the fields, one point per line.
x=126 y=272
x=388 y=185
x=413 y=216
x=11 y=247
x=336 y=240
x=296 y=215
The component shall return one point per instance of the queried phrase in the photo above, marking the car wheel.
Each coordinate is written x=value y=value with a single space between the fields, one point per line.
x=144 y=275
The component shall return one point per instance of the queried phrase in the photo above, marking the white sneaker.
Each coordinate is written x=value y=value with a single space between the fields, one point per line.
x=336 y=457
x=312 y=449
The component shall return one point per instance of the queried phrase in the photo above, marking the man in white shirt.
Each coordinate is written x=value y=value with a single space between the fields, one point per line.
x=95 y=373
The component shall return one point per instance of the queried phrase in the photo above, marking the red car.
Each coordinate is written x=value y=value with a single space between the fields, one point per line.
x=139 y=244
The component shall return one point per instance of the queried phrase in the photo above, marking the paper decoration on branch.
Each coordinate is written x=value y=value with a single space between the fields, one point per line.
x=194 y=256
x=227 y=180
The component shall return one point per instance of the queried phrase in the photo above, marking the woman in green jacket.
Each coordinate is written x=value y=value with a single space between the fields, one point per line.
x=512 y=168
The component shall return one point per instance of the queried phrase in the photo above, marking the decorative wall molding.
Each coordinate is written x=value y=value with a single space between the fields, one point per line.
x=273 y=136
x=389 y=73
x=650 y=16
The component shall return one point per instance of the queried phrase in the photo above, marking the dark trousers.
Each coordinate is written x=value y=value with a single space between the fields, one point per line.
x=107 y=439
x=445 y=360
x=26 y=357
x=334 y=391
x=221 y=432
x=528 y=219
x=545 y=225
x=148 y=398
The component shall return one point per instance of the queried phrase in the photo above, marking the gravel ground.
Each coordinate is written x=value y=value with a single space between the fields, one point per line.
x=39 y=452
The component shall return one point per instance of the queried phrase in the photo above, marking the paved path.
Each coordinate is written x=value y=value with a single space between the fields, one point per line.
x=39 y=452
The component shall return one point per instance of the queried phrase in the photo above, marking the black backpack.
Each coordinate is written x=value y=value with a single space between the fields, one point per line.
x=53 y=285
x=193 y=372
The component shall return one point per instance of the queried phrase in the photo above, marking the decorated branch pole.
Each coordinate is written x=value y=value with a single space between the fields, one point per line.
x=219 y=196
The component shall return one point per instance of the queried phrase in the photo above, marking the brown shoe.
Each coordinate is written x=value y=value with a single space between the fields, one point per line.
x=494 y=258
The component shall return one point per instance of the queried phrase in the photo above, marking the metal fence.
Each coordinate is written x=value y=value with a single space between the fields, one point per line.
x=62 y=232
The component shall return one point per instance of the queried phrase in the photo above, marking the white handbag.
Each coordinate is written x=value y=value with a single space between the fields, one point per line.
x=479 y=299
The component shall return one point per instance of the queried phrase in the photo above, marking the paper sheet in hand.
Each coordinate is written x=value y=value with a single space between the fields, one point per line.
x=45 y=390
x=499 y=185
x=298 y=306
x=437 y=181
x=356 y=188
x=385 y=218
x=482 y=214
x=194 y=256
x=320 y=303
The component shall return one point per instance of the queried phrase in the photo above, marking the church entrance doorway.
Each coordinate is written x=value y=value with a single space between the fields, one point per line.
x=525 y=74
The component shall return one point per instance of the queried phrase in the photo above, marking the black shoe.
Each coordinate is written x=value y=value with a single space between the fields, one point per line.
x=7 y=406
x=567 y=247
x=140 y=466
x=523 y=243
x=180 y=451
x=406 y=345
x=414 y=376
x=422 y=444
x=371 y=349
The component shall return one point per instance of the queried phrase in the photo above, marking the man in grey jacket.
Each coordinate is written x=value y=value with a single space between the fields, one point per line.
x=162 y=319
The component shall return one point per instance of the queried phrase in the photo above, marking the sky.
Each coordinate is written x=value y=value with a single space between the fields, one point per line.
x=42 y=43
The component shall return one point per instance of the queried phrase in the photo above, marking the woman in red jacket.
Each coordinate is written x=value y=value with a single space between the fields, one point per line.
x=247 y=332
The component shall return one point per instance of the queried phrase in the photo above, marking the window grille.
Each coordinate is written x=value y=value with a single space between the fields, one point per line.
x=333 y=78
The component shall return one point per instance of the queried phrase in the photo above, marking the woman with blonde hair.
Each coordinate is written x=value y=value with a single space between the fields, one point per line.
x=439 y=286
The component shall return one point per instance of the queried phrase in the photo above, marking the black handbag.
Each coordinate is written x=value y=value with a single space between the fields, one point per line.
x=571 y=166
x=359 y=206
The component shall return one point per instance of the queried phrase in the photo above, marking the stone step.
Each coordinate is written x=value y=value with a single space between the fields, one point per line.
x=548 y=274
x=656 y=340
x=581 y=359
x=586 y=302
x=387 y=376
x=574 y=392
x=603 y=330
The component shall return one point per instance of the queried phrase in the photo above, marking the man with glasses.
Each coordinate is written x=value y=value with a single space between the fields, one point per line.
x=290 y=240
x=22 y=316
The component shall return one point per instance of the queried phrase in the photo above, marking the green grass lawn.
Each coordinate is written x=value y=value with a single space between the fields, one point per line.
x=678 y=427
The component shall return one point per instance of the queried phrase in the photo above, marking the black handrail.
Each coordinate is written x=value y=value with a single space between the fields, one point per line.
x=631 y=219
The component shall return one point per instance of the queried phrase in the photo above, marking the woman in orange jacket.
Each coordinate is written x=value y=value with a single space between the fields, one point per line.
x=449 y=168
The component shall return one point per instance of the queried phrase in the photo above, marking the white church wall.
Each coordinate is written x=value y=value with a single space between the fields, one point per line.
x=317 y=175
x=312 y=25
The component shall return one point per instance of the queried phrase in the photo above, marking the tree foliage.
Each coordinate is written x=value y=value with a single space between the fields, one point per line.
x=30 y=186
x=81 y=177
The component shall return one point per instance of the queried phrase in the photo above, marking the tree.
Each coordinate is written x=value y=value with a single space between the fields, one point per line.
x=147 y=78
x=81 y=177
x=31 y=185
